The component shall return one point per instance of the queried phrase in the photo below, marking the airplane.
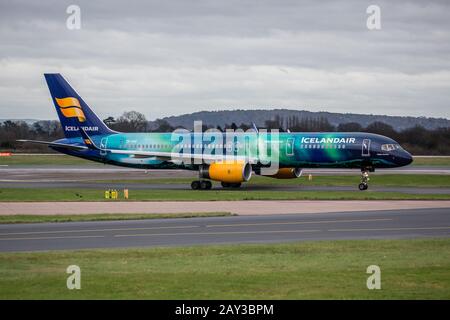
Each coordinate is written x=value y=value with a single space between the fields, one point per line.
x=229 y=157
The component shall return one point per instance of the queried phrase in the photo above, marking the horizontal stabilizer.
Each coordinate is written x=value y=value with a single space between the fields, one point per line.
x=56 y=144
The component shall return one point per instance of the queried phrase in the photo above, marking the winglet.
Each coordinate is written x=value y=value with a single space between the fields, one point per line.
x=255 y=127
x=56 y=144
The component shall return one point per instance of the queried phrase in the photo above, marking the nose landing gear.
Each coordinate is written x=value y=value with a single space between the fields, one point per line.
x=364 y=180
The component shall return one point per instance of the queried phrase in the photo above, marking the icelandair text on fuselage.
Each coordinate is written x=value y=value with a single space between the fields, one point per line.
x=328 y=140
x=74 y=128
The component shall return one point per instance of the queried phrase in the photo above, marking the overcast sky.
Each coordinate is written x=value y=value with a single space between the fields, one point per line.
x=172 y=57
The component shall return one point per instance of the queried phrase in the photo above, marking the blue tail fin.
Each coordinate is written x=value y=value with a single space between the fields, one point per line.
x=72 y=111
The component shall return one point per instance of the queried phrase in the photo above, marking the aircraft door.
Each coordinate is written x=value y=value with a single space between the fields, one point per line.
x=103 y=143
x=247 y=152
x=366 y=148
x=290 y=147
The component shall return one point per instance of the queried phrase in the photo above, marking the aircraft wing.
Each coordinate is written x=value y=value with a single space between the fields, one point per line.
x=180 y=156
x=56 y=144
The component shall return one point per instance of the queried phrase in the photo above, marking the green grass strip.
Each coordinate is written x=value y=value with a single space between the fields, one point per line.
x=410 y=269
x=207 y=195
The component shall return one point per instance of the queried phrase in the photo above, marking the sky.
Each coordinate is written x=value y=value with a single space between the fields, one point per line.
x=167 y=57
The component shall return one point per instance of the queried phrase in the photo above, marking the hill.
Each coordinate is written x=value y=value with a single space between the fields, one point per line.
x=221 y=118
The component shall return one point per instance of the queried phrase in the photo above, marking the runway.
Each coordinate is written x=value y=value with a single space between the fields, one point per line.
x=108 y=177
x=388 y=224
x=216 y=186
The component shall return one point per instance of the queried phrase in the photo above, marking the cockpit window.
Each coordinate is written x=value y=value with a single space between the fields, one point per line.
x=390 y=147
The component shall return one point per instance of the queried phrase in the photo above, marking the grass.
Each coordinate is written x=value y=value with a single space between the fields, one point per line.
x=385 y=180
x=210 y=195
x=57 y=159
x=104 y=217
x=410 y=269
x=388 y=180
x=431 y=161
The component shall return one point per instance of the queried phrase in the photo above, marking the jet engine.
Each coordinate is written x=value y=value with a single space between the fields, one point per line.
x=227 y=171
x=287 y=173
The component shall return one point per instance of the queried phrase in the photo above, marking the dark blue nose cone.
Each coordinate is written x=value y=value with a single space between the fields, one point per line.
x=406 y=158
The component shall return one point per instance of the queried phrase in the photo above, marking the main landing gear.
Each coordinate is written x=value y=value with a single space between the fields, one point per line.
x=201 y=185
x=364 y=180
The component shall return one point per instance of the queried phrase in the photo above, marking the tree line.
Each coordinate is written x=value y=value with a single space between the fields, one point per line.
x=418 y=140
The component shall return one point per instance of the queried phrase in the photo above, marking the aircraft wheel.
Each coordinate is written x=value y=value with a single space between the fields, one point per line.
x=205 y=185
x=363 y=186
x=225 y=185
x=195 y=185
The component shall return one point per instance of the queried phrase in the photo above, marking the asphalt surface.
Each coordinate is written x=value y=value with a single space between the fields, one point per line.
x=93 y=177
x=392 y=224
x=216 y=186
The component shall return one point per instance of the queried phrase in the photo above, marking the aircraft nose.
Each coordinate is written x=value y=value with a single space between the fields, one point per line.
x=407 y=158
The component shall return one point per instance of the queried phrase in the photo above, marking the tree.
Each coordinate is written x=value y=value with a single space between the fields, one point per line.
x=163 y=126
x=350 y=127
x=131 y=121
x=382 y=128
x=108 y=121
x=244 y=126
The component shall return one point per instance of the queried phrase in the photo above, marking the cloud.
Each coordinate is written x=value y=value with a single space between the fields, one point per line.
x=172 y=57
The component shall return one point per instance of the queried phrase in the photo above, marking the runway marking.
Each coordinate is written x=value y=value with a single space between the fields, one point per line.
x=50 y=238
x=391 y=229
x=187 y=227
x=212 y=233
x=288 y=223
x=95 y=230
x=271 y=231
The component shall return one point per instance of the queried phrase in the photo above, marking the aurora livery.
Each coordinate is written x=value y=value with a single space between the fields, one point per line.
x=229 y=157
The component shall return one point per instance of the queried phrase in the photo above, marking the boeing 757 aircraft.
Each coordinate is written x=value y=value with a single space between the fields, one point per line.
x=229 y=157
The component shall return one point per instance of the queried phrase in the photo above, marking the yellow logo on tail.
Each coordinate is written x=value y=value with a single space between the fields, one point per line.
x=70 y=108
